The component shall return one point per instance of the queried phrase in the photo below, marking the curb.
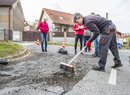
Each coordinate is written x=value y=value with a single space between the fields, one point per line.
x=17 y=56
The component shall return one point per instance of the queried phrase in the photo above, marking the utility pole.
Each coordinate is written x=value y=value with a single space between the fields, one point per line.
x=107 y=15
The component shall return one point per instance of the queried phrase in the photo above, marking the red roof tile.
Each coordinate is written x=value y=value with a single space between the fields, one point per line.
x=59 y=17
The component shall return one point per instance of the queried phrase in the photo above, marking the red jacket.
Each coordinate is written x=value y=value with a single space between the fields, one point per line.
x=43 y=26
x=78 y=30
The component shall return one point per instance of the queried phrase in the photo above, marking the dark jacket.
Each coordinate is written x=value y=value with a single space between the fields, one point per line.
x=97 y=25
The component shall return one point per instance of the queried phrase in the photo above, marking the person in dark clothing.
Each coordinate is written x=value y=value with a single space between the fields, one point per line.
x=107 y=30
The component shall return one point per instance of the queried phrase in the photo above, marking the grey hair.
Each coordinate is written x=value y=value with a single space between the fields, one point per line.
x=77 y=16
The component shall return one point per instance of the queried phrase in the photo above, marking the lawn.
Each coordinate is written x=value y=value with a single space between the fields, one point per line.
x=7 y=49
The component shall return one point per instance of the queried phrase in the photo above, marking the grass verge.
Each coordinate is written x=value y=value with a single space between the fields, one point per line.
x=7 y=49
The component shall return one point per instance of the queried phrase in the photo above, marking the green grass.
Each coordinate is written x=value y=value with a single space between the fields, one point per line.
x=7 y=49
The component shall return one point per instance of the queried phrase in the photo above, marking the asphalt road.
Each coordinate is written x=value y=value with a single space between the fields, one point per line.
x=39 y=74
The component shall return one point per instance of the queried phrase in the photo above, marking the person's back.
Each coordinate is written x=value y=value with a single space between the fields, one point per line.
x=100 y=22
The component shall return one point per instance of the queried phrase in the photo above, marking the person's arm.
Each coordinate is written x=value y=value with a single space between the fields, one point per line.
x=47 y=27
x=75 y=27
x=93 y=28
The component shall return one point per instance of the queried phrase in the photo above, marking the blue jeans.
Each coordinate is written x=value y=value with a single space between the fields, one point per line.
x=44 y=38
x=96 y=44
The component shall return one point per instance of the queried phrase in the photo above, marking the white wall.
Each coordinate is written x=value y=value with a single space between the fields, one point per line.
x=17 y=36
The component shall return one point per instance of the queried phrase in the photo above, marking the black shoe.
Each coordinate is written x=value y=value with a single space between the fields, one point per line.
x=45 y=50
x=97 y=68
x=117 y=66
x=94 y=55
x=3 y=62
x=42 y=50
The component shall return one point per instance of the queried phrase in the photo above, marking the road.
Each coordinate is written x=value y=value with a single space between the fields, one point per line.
x=39 y=74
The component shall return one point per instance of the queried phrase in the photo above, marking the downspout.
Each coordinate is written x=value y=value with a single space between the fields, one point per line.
x=9 y=23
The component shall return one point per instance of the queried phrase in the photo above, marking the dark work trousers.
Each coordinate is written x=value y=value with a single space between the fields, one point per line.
x=108 y=41
x=78 y=37
x=86 y=38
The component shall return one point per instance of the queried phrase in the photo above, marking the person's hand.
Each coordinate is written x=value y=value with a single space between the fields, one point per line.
x=81 y=27
x=88 y=44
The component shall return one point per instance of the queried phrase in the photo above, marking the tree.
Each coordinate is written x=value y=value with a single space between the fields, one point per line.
x=129 y=41
x=35 y=24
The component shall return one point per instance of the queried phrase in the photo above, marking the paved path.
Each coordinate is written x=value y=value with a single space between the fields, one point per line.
x=98 y=83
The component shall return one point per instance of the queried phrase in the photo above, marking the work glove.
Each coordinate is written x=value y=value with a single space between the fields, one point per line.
x=88 y=44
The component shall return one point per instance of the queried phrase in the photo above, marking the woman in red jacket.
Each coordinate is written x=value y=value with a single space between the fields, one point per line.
x=79 y=31
x=43 y=26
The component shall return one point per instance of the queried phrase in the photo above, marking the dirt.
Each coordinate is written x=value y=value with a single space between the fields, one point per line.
x=43 y=68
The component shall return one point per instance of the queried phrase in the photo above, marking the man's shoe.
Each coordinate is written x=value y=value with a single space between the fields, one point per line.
x=94 y=55
x=97 y=68
x=42 y=50
x=45 y=50
x=117 y=66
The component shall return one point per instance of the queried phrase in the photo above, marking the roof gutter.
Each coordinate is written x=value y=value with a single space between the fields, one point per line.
x=5 y=5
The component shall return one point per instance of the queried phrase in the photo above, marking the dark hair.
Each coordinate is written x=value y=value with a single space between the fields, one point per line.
x=77 y=16
x=92 y=13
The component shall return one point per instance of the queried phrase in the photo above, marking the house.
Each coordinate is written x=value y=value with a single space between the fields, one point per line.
x=12 y=18
x=28 y=27
x=60 y=24
x=126 y=39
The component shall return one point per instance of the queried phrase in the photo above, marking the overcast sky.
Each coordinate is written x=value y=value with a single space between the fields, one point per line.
x=118 y=10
